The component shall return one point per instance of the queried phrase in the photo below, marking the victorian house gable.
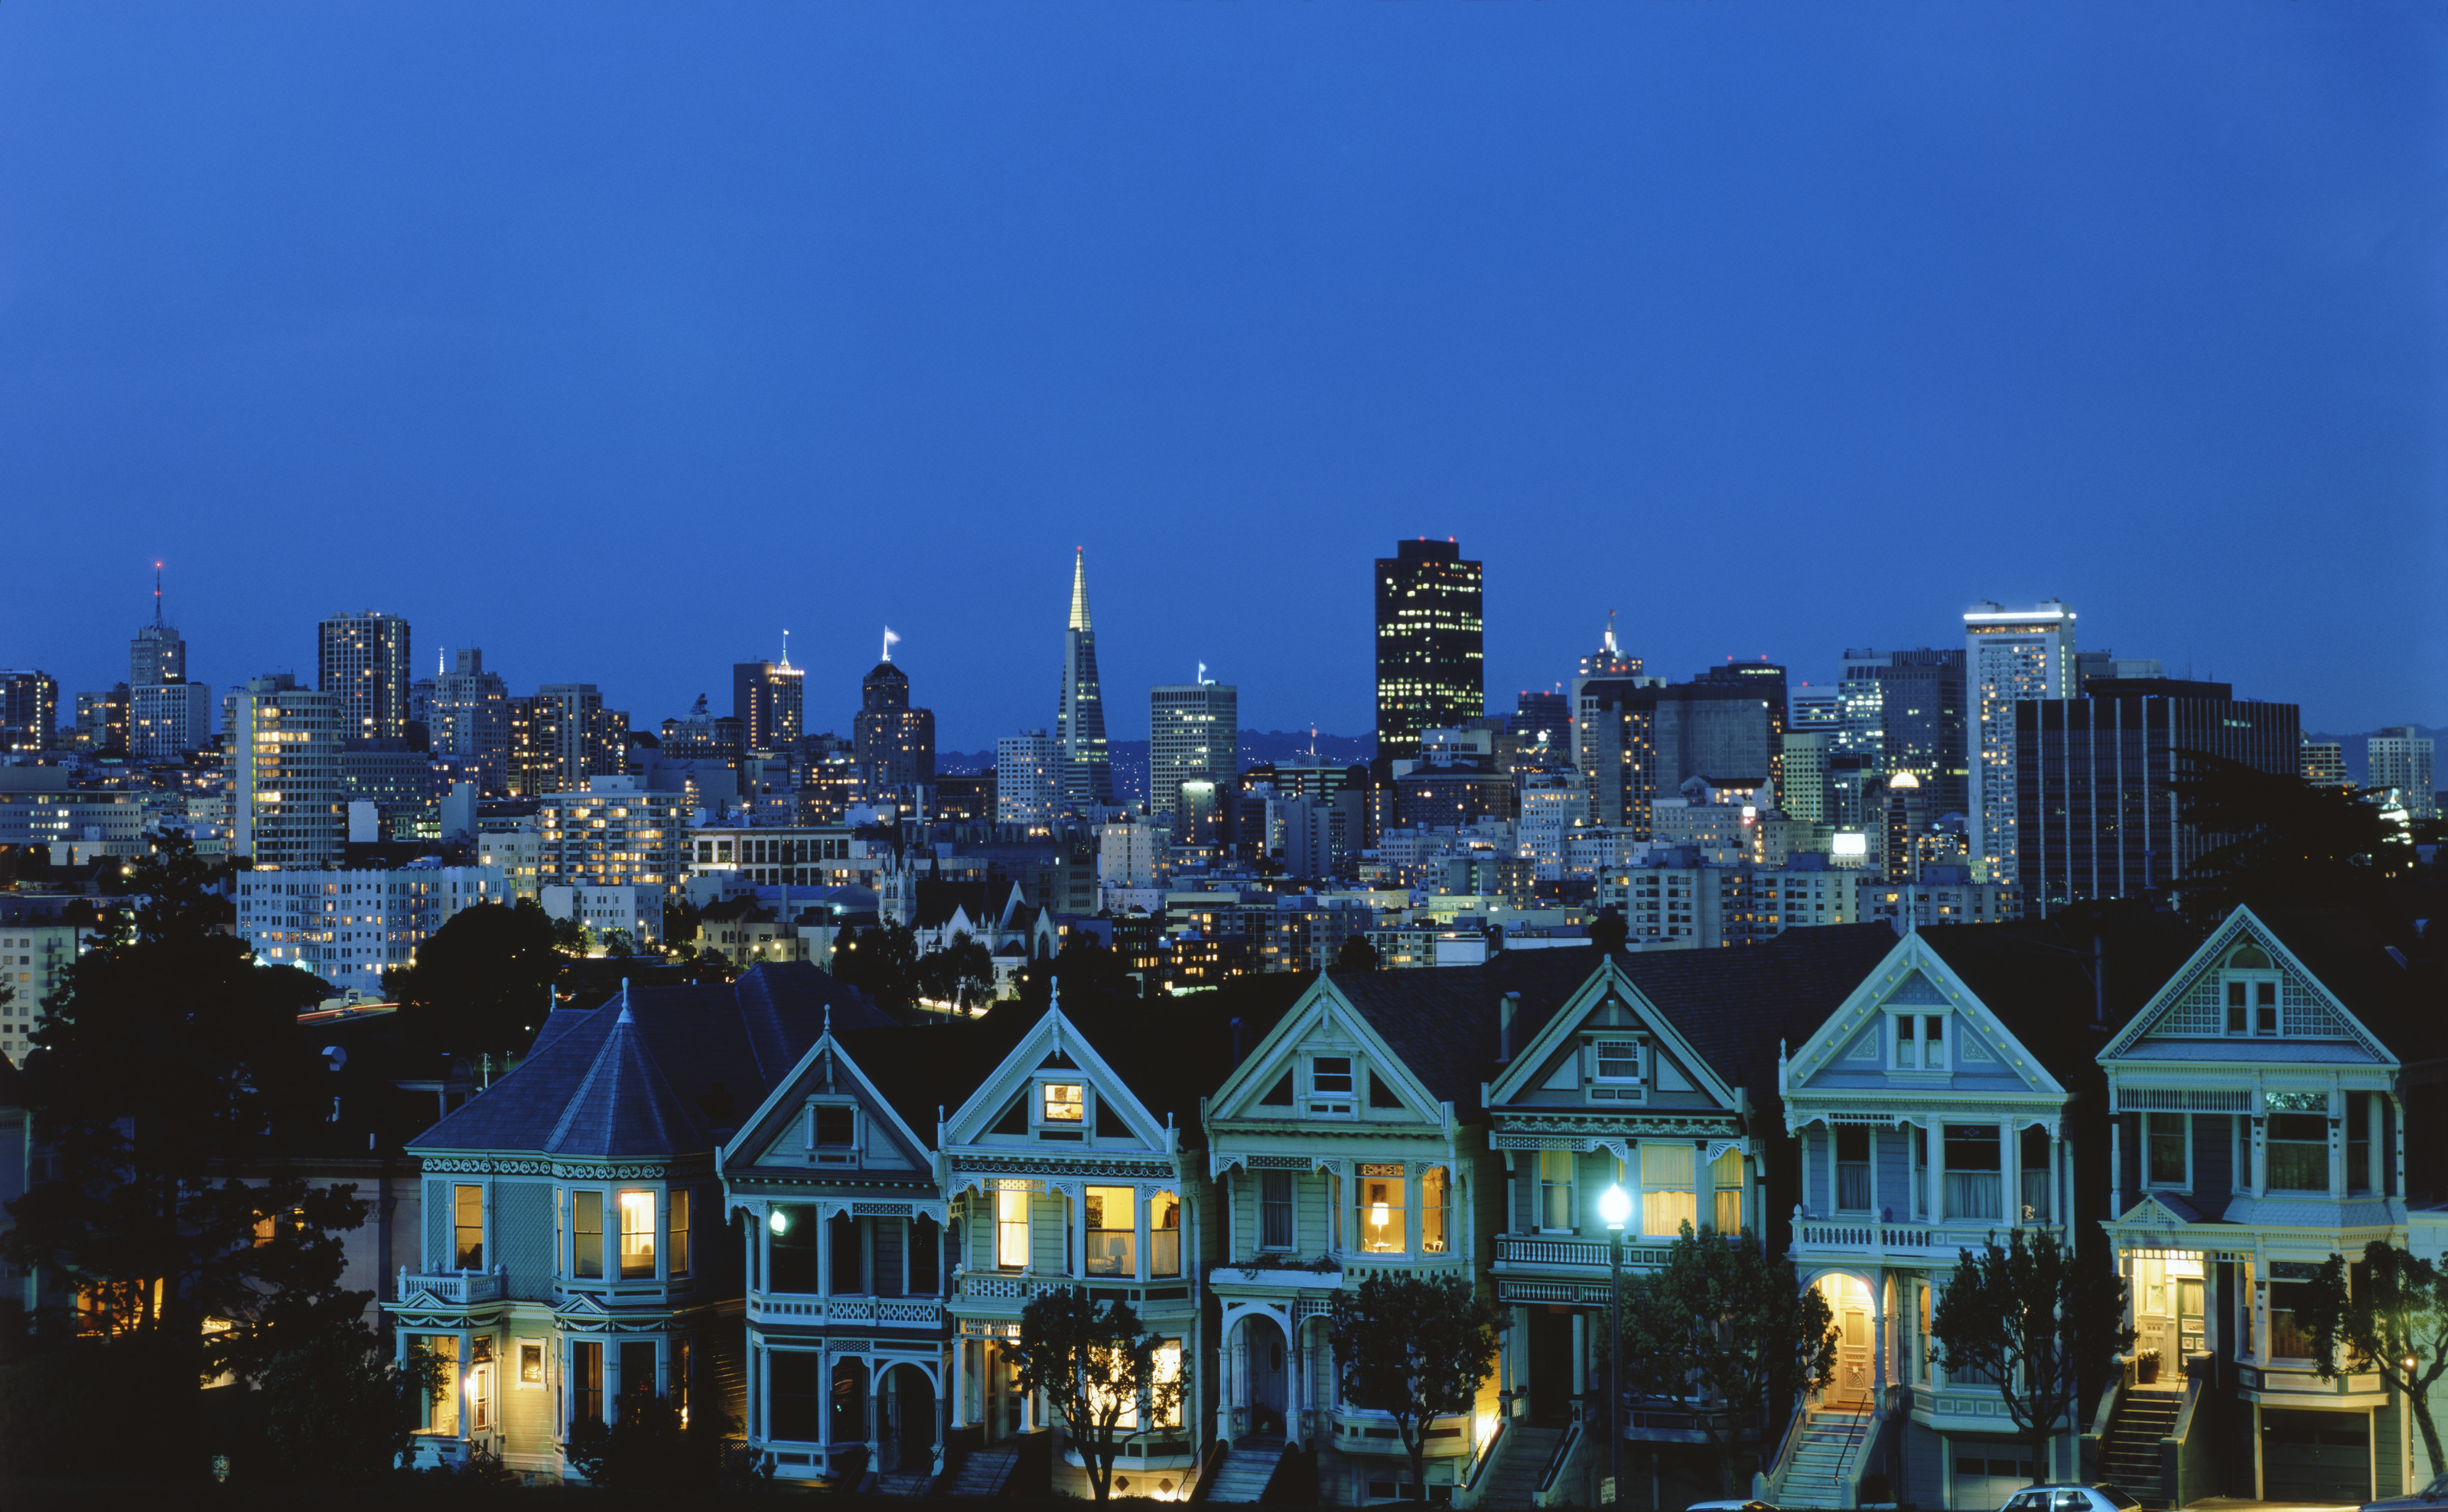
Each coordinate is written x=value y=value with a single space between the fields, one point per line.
x=2274 y=1105
x=843 y=1233
x=1071 y=1163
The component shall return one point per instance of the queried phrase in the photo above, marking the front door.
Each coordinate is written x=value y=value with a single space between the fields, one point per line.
x=1551 y=1367
x=1266 y=1362
x=2189 y=1336
x=1853 y=1384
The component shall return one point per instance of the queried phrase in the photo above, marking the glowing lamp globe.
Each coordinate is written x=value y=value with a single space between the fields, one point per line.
x=1615 y=1205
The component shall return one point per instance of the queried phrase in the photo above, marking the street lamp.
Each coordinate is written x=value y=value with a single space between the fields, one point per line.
x=1615 y=1207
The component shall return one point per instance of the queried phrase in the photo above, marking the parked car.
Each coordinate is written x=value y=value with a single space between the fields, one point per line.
x=2098 y=1497
x=1730 y=1506
x=2425 y=1500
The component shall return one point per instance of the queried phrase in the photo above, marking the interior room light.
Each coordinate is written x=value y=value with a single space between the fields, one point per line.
x=1377 y=1215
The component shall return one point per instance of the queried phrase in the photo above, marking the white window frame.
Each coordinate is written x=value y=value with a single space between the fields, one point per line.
x=519 y=1346
x=835 y=1154
x=2253 y=979
x=1910 y=1026
x=1339 y=1106
x=2185 y=1123
x=1039 y=1125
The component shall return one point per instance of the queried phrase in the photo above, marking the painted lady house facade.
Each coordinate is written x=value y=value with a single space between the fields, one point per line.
x=1072 y=1161
x=574 y=1248
x=2274 y=1105
x=843 y=1227
x=1655 y=1072
x=1950 y=1097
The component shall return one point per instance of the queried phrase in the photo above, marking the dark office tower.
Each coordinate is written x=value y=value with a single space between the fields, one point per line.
x=1086 y=770
x=895 y=743
x=767 y=698
x=468 y=715
x=363 y=658
x=156 y=654
x=29 y=711
x=102 y=719
x=1903 y=711
x=562 y=737
x=1767 y=679
x=1543 y=721
x=2098 y=816
x=1637 y=740
x=1431 y=644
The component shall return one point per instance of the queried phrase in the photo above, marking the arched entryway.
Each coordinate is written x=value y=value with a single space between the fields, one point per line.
x=905 y=1413
x=1857 y=1373
x=1265 y=1364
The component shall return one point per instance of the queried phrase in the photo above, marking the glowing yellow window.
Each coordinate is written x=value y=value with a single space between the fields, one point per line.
x=637 y=1236
x=1066 y=1103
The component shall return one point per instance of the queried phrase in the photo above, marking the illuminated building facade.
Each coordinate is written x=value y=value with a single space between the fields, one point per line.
x=1194 y=735
x=2325 y=763
x=895 y=743
x=470 y=716
x=1431 y=644
x=102 y=719
x=563 y=737
x=2400 y=758
x=1903 y=711
x=1028 y=787
x=613 y=833
x=29 y=711
x=768 y=698
x=2010 y=656
x=284 y=745
x=362 y=660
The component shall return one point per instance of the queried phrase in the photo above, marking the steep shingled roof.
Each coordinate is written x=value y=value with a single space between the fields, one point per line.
x=668 y=1063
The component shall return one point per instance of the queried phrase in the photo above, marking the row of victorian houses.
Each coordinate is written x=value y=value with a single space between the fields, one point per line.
x=767 y=1201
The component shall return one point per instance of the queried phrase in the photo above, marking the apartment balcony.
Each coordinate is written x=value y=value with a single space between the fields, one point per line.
x=1869 y=1238
x=455 y=1289
x=1002 y=1293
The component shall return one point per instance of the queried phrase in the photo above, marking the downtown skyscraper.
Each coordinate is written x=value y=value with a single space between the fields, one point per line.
x=1087 y=770
x=2011 y=656
x=1431 y=644
x=1194 y=735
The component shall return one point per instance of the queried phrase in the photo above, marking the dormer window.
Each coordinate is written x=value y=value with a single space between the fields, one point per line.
x=1062 y=1110
x=1331 y=1086
x=832 y=1133
x=2250 y=985
x=1920 y=1041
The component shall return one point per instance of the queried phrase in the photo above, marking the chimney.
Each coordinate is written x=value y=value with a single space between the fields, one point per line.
x=1506 y=1009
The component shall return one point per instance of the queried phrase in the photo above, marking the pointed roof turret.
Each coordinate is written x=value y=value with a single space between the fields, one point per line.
x=1080 y=589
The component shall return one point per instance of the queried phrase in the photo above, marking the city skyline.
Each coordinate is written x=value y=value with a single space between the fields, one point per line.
x=1554 y=281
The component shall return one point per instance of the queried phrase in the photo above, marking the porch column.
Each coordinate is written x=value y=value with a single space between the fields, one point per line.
x=2010 y=1172
x=465 y=1370
x=1881 y=1307
x=1505 y=1361
x=2060 y=1197
x=956 y=1396
x=1077 y=1217
x=2338 y=1105
x=825 y=1411
x=824 y=1264
x=874 y=1413
x=1805 y=1168
x=2376 y=1175
x=2116 y=1165
x=2259 y=1154
x=1293 y=1377
x=755 y=1388
x=1580 y=1359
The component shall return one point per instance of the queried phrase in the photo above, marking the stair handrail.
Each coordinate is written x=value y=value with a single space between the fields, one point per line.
x=1563 y=1450
x=1774 y=1475
x=1208 y=1465
x=1486 y=1457
x=2103 y=1420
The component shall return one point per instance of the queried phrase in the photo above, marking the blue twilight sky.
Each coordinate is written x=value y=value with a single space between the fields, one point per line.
x=618 y=338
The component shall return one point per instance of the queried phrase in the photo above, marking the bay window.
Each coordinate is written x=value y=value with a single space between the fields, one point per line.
x=438 y=1409
x=1275 y=1210
x=1065 y=1103
x=1330 y=1086
x=1726 y=1173
x=1974 y=1172
x=1556 y=1212
x=679 y=1203
x=1112 y=1232
x=586 y=1381
x=2037 y=1164
x=467 y=1228
x=2164 y=1140
x=1381 y=1210
x=1667 y=1201
x=480 y=1382
x=1853 y=1184
x=1011 y=1230
x=1436 y=1202
x=1164 y=1234
x=637 y=1236
x=2298 y=1148
x=587 y=1236
x=792 y=1249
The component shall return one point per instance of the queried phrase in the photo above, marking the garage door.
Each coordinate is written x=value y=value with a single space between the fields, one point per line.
x=2316 y=1457
x=1987 y=1474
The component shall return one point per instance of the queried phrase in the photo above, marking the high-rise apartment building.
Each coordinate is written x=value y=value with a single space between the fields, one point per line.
x=1087 y=770
x=769 y=700
x=2011 y=657
x=2325 y=763
x=1431 y=644
x=284 y=750
x=1194 y=735
x=2097 y=817
x=362 y=658
x=2400 y=757
x=1803 y=795
x=29 y=711
x=470 y=716
x=1903 y=711
x=168 y=720
x=564 y=736
x=102 y=719
x=1028 y=788
x=895 y=743
x=614 y=832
